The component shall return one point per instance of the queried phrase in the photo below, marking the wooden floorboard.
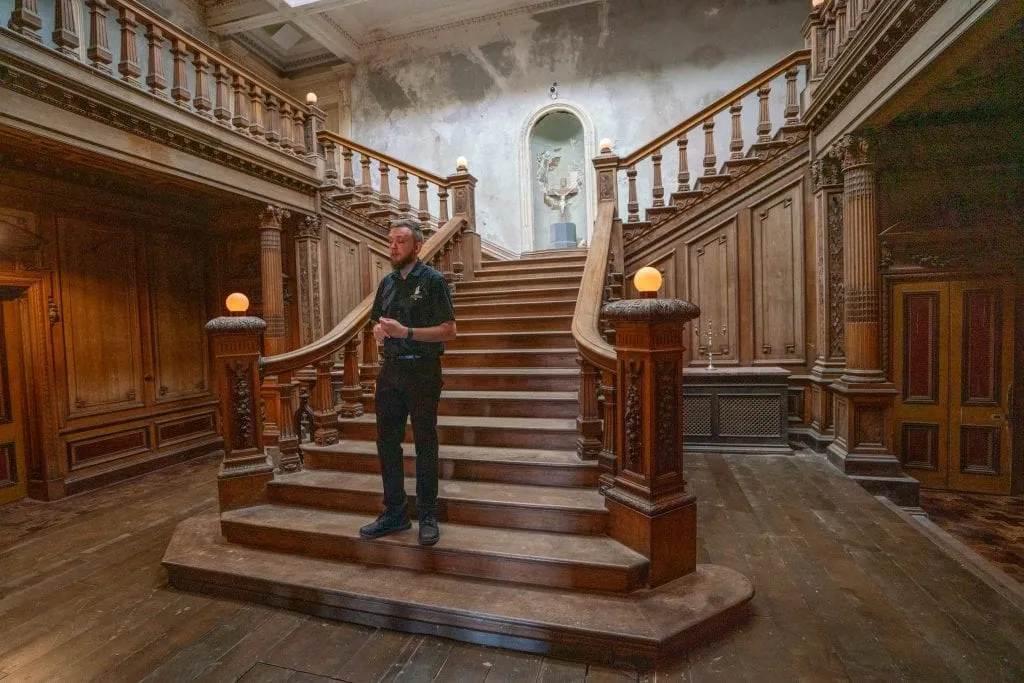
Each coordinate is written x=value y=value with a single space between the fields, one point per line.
x=846 y=590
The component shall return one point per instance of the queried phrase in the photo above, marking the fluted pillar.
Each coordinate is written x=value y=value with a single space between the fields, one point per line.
x=307 y=251
x=272 y=278
x=863 y=398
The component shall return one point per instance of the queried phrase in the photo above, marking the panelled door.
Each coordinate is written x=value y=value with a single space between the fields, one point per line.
x=953 y=368
x=13 y=477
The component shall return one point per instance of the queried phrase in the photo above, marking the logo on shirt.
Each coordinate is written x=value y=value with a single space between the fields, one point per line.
x=416 y=296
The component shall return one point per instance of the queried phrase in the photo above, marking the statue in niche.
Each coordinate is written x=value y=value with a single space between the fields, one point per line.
x=559 y=185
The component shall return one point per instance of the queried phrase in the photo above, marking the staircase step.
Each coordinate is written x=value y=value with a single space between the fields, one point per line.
x=514 y=358
x=560 y=255
x=527 y=269
x=493 y=504
x=553 y=282
x=509 y=339
x=512 y=379
x=540 y=322
x=466 y=463
x=532 y=557
x=554 y=305
x=522 y=432
x=519 y=294
x=556 y=404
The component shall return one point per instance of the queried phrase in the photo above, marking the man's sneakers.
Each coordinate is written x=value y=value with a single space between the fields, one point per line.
x=429 y=533
x=384 y=525
x=390 y=523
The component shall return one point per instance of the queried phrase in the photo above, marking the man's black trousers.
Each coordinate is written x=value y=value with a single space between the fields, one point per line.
x=408 y=388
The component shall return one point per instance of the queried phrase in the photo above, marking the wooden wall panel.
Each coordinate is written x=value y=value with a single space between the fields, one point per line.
x=778 y=279
x=713 y=282
x=378 y=264
x=177 y=293
x=101 y=318
x=921 y=347
x=343 y=275
x=981 y=347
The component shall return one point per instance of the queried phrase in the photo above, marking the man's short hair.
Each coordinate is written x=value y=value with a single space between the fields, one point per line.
x=413 y=225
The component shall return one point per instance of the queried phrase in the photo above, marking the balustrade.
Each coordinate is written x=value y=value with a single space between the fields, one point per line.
x=202 y=80
x=831 y=29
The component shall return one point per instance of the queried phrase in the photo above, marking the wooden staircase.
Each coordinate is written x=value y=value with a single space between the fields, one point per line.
x=522 y=521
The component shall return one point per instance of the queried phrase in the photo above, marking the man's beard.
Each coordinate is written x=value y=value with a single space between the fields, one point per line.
x=409 y=258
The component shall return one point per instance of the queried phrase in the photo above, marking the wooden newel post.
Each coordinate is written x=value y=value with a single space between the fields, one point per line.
x=651 y=509
x=462 y=186
x=235 y=343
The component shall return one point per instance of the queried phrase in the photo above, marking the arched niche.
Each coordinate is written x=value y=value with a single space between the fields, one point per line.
x=555 y=170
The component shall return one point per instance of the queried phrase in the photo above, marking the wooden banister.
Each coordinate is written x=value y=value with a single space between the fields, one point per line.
x=797 y=58
x=382 y=157
x=585 y=320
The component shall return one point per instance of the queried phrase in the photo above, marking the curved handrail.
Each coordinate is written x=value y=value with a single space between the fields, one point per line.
x=380 y=156
x=353 y=323
x=796 y=58
x=585 y=320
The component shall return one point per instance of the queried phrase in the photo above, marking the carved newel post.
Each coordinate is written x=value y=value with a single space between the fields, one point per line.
x=462 y=186
x=235 y=346
x=651 y=508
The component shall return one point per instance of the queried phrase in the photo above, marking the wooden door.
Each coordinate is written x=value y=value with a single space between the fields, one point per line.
x=13 y=479
x=953 y=368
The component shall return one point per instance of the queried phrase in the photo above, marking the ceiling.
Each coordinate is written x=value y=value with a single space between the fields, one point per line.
x=296 y=34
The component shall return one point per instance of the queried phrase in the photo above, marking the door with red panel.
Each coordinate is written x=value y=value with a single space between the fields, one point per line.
x=953 y=368
x=13 y=478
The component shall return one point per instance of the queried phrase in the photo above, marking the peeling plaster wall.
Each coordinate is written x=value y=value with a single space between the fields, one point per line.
x=637 y=67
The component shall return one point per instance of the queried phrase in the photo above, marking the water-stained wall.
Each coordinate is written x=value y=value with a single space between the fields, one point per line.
x=637 y=67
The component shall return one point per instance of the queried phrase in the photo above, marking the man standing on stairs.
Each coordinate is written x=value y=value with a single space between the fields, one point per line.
x=413 y=316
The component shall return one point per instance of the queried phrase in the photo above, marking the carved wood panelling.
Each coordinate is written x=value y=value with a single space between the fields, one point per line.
x=981 y=347
x=8 y=464
x=91 y=451
x=343 y=268
x=170 y=432
x=921 y=348
x=6 y=411
x=920 y=445
x=177 y=292
x=378 y=264
x=778 y=279
x=101 y=319
x=713 y=278
x=980 y=450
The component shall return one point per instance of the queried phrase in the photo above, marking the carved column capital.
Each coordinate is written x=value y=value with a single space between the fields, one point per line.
x=854 y=150
x=272 y=217
x=827 y=171
x=311 y=227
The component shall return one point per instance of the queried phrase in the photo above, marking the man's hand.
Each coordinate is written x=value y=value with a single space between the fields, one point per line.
x=391 y=328
x=379 y=334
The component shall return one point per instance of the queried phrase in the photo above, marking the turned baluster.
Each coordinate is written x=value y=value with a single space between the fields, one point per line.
x=683 y=178
x=840 y=24
x=830 y=38
x=299 y=129
x=607 y=456
x=365 y=185
x=385 y=183
x=852 y=17
x=99 y=42
x=446 y=263
x=370 y=366
x=330 y=164
x=241 y=118
x=458 y=258
x=588 y=422
x=25 y=19
x=442 y=211
x=736 y=144
x=155 y=77
x=423 y=214
x=792 y=112
x=273 y=134
x=403 y=191
x=632 y=205
x=286 y=127
x=65 y=28
x=201 y=102
x=129 y=66
x=222 y=87
x=256 y=128
x=710 y=158
x=347 y=178
x=351 y=390
x=179 y=87
x=325 y=418
x=764 y=125
x=658 y=192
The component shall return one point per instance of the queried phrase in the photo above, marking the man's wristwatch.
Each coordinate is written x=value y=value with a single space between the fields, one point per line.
x=408 y=335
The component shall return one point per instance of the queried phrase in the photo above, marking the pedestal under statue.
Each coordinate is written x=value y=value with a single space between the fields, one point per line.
x=563 y=233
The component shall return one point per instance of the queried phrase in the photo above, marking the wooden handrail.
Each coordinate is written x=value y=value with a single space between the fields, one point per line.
x=171 y=31
x=794 y=59
x=585 y=320
x=380 y=156
x=353 y=323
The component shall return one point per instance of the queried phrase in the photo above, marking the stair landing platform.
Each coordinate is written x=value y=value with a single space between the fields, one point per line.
x=643 y=628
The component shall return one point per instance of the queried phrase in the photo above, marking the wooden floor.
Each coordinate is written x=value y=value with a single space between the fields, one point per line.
x=847 y=590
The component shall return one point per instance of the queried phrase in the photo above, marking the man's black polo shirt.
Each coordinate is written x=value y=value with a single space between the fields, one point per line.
x=420 y=300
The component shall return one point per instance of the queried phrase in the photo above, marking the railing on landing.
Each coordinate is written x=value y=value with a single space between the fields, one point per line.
x=604 y=270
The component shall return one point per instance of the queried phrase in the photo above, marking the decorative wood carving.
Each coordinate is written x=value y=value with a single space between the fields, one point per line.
x=242 y=401
x=667 y=377
x=633 y=417
x=837 y=299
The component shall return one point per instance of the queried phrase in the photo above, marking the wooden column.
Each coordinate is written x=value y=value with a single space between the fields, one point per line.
x=463 y=190
x=863 y=397
x=651 y=509
x=275 y=340
x=827 y=175
x=310 y=287
x=245 y=471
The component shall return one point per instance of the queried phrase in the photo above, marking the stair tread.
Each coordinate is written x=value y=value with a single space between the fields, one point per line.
x=485 y=352
x=598 y=551
x=523 y=495
x=537 y=456
x=511 y=371
x=531 y=423
x=516 y=333
x=513 y=395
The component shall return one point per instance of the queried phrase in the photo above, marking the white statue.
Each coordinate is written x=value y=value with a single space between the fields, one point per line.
x=558 y=198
